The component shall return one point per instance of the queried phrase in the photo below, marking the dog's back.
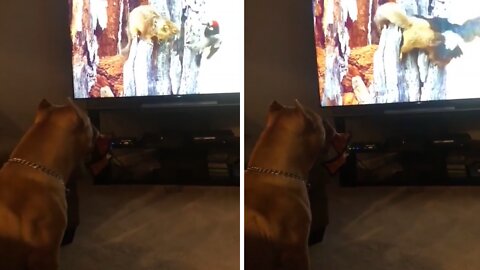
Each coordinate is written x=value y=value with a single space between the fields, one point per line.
x=277 y=209
x=32 y=199
x=277 y=222
x=13 y=251
x=31 y=217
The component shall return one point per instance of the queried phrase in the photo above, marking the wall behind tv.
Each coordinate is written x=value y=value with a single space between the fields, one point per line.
x=279 y=60
x=35 y=64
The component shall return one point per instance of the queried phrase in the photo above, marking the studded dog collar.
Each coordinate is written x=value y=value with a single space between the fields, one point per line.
x=39 y=167
x=280 y=173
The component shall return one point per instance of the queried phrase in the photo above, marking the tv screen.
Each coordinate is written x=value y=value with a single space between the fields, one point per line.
x=382 y=52
x=128 y=48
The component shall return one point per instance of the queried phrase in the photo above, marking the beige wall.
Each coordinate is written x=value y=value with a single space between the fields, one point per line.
x=34 y=61
x=279 y=59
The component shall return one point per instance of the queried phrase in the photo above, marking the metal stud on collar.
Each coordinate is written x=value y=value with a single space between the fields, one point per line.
x=39 y=167
x=278 y=173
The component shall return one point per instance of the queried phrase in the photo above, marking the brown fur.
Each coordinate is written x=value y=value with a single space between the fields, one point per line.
x=145 y=23
x=391 y=13
x=32 y=203
x=417 y=33
x=421 y=36
x=277 y=210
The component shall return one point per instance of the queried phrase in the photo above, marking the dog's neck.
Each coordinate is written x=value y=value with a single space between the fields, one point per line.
x=49 y=147
x=280 y=151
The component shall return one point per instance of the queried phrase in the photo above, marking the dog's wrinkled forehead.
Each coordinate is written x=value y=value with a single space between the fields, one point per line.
x=81 y=113
x=70 y=113
x=311 y=118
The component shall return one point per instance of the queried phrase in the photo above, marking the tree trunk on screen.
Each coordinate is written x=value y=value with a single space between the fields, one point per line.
x=337 y=48
x=110 y=36
x=167 y=67
x=84 y=46
x=401 y=81
x=359 y=29
x=434 y=84
x=98 y=30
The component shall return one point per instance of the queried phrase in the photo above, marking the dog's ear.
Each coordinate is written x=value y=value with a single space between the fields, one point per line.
x=75 y=107
x=42 y=110
x=80 y=113
x=299 y=107
x=309 y=119
x=301 y=111
x=273 y=112
x=44 y=104
x=275 y=106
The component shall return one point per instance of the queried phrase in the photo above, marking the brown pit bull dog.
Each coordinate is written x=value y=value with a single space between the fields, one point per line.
x=277 y=209
x=32 y=188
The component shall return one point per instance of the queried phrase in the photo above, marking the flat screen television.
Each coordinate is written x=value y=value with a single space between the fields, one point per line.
x=175 y=51
x=396 y=57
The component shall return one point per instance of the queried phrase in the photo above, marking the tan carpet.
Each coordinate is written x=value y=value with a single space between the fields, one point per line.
x=434 y=228
x=155 y=227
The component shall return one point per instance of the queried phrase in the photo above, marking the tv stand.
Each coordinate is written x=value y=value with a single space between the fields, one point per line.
x=451 y=160
x=174 y=158
x=410 y=150
x=171 y=143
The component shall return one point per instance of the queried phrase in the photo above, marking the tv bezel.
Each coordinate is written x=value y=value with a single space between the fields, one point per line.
x=433 y=106
x=165 y=101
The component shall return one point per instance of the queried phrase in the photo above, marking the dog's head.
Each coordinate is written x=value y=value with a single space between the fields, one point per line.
x=315 y=138
x=71 y=119
x=302 y=124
